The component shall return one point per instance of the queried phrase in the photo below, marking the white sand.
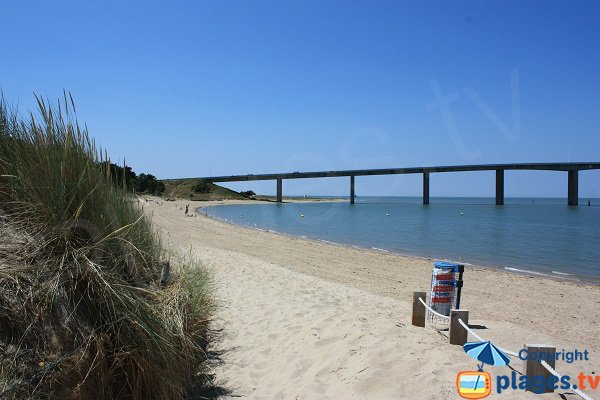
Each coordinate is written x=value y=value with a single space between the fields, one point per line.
x=303 y=319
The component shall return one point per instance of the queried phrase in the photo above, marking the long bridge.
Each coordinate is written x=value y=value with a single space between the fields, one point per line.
x=572 y=169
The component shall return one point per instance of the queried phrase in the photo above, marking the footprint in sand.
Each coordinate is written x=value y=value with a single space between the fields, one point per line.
x=300 y=367
x=325 y=342
x=293 y=328
x=266 y=352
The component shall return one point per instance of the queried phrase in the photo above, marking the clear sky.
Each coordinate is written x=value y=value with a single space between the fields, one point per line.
x=185 y=89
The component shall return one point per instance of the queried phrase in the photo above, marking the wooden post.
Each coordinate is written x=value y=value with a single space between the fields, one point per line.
x=165 y=275
x=532 y=367
x=418 y=311
x=458 y=334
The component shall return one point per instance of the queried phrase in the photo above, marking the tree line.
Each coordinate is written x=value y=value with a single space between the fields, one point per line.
x=142 y=183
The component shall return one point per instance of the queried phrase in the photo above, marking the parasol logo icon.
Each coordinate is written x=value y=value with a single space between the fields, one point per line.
x=478 y=384
x=474 y=384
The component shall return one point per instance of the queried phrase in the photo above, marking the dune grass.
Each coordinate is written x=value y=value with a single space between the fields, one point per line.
x=82 y=310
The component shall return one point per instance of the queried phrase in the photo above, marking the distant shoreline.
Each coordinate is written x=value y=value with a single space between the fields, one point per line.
x=512 y=200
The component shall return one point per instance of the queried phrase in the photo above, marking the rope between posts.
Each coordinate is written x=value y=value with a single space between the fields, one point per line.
x=544 y=363
x=510 y=353
x=553 y=372
x=432 y=310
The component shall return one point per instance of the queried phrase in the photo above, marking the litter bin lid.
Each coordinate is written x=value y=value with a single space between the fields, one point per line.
x=444 y=264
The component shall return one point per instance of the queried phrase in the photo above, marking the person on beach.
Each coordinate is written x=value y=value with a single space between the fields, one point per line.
x=187 y=207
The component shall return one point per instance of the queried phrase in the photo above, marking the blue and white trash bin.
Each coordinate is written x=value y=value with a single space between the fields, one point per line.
x=446 y=286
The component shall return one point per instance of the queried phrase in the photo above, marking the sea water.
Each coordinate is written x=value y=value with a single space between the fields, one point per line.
x=539 y=236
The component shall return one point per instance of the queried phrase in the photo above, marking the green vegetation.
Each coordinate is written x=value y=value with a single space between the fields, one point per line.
x=147 y=183
x=201 y=187
x=144 y=183
x=83 y=313
x=195 y=189
x=248 y=193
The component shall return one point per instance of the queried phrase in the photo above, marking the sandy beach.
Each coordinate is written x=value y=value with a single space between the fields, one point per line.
x=304 y=319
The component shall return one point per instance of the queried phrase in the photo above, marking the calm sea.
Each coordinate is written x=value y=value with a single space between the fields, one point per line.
x=542 y=236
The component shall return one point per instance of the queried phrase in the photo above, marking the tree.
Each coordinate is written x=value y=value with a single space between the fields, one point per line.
x=147 y=183
x=120 y=175
x=142 y=183
x=201 y=187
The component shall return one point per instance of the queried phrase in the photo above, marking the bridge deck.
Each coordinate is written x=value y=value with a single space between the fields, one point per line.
x=411 y=170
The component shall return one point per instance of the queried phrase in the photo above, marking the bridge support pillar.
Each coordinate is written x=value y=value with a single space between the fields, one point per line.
x=499 y=187
x=352 y=189
x=279 y=190
x=573 y=188
x=425 y=188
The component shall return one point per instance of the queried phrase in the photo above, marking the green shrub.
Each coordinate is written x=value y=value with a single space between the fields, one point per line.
x=248 y=193
x=147 y=183
x=201 y=187
x=123 y=176
x=82 y=311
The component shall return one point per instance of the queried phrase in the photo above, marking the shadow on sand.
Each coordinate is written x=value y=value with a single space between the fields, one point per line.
x=207 y=389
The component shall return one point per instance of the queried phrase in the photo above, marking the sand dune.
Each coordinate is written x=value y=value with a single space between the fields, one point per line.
x=303 y=319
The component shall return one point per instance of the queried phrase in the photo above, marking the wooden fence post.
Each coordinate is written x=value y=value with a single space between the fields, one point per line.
x=533 y=368
x=458 y=334
x=418 y=309
x=165 y=275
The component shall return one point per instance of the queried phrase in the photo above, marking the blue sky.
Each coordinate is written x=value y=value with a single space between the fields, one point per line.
x=184 y=89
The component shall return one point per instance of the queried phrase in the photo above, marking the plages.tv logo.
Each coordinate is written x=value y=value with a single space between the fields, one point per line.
x=478 y=384
x=474 y=384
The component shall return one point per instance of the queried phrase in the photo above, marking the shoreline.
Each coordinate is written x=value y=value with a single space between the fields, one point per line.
x=309 y=319
x=521 y=271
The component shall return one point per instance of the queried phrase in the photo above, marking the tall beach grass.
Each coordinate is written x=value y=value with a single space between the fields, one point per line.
x=82 y=310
